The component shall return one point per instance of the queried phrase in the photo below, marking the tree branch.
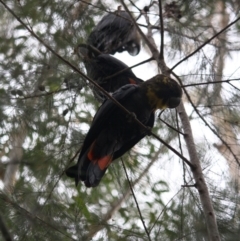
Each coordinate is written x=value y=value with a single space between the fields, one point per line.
x=161 y=55
x=209 y=83
x=152 y=48
x=173 y=128
x=135 y=199
x=40 y=95
x=61 y=174
x=131 y=67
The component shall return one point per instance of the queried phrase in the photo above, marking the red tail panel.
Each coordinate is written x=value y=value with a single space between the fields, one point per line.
x=132 y=81
x=102 y=162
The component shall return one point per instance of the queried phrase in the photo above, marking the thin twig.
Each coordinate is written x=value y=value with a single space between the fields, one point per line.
x=179 y=132
x=175 y=151
x=164 y=209
x=180 y=147
x=161 y=55
x=149 y=32
x=135 y=199
x=207 y=83
x=149 y=44
x=189 y=185
x=135 y=5
x=95 y=6
x=205 y=43
x=236 y=88
x=61 y=174
x=157 y=56
x=131 y=67
x=40 y=95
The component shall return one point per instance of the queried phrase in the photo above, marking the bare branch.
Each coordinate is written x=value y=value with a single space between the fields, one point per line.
x=149 y=44
x=161 y=55
x=135 y=5
x=171 y=126
x=149 y=32
x=131 y=67
x=40 y=95
x=209 y=83
x=135 y=199
x=174 y=150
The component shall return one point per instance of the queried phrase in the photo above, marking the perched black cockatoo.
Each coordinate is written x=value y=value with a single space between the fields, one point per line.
x=113 y=132
x=101 y=66
x=115 y=32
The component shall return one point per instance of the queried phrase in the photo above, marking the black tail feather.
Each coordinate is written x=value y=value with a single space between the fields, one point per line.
x=72 y=171
x=94 y=175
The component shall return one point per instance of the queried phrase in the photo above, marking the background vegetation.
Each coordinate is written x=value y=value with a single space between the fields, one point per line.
x=46 y=109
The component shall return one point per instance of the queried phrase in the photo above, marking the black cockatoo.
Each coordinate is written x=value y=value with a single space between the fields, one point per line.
x=113 y=132
x=101 y=66
x=115 y=32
